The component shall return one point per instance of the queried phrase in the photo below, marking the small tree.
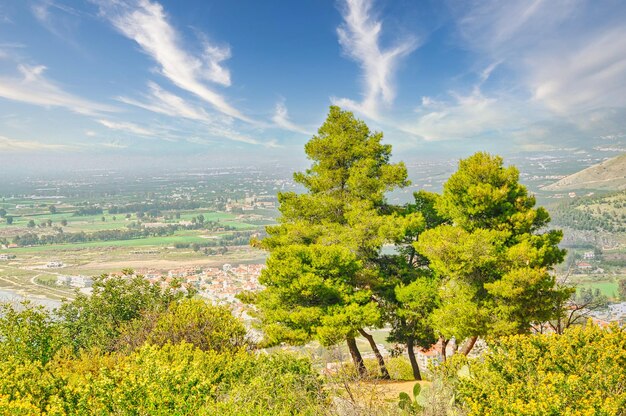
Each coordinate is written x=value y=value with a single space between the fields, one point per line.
x=97 y=320
x=28 y=333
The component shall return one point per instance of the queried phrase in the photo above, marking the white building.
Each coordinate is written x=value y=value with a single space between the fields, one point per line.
x=74 y=281
x=63 y=280
x=588 y=255
x=81 y=281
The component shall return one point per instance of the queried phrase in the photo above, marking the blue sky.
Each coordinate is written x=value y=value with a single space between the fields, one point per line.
x=143 y=78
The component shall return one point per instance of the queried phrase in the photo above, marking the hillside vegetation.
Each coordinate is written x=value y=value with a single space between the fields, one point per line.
x=475 y=262
x=609 y=175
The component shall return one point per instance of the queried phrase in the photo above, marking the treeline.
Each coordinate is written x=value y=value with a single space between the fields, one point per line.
x=88 y=210
x=584 y=219
x=32 y=239
x=593 y=213
x=157 y=207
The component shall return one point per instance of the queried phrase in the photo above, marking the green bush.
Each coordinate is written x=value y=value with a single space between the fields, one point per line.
x=400 y=368
x=173 y=379
x=582 y=372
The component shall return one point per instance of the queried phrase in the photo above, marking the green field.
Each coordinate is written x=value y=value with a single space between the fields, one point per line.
x=609 y=289
x=139 y=242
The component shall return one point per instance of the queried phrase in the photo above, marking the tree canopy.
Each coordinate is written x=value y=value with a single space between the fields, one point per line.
x=322 y=265
x=494 y=261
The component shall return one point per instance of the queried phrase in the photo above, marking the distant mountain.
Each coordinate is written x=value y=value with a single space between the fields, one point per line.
x=609 y=175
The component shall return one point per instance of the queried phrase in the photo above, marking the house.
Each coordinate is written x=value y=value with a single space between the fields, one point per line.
x=81 y=281
x=63 y=280
x=583 y=265
x=74 y=281
x=589 y=255
x=426 y=357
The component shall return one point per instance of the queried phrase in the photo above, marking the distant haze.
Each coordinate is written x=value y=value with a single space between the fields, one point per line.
x=155 y=84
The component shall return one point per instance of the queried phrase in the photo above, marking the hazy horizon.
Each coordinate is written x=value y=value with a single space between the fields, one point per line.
x=143 y=83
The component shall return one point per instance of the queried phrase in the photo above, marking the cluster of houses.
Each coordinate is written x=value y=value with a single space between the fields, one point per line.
x=615 y=312
x=79 y=281
x=218 y=284
x=586 y=266
x=252 y=203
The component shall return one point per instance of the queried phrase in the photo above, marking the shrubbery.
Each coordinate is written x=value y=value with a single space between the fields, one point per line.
x=133 y=349
x=581 y=372
x=173 y=379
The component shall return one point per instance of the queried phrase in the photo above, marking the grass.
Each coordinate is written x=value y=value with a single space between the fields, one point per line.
x=608 y=288
x=140 y=242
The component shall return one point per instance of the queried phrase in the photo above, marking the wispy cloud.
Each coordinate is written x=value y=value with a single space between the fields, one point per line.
x=127 y=127
x=590 y=76
x=463 y=116
x=569 y=55
x=33 y=88
x=13 y=145
x=562 y=70
x=214 y=126
x=62 y=25
x=164 y=102
x=281 y=119
x=359 y=36
x=146 y=23
x=114 y=144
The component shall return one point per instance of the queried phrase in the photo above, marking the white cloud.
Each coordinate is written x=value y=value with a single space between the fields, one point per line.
x=34 y=88
x=281 y=119
x=164 y=102
x=61 y=25
x=127 y=127
x=214 y=126
x=570 y=56
x=463 y=116
x=12 y=145
x=230 y=134
x=114 y=144
x=359 y=36
x=592 y=75
x=147 y=24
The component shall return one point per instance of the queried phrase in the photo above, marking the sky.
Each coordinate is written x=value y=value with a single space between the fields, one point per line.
x=88 y=82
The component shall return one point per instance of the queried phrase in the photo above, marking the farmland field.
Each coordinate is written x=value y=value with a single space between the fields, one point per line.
x=147 y=224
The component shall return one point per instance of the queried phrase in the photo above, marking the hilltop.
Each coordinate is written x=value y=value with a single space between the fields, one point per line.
x=609 y=175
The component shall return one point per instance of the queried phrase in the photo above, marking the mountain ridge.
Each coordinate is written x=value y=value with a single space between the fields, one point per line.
x=609 y=175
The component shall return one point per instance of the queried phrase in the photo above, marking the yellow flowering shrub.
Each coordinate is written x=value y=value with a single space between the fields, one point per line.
x=173 y=379
x=582 y=372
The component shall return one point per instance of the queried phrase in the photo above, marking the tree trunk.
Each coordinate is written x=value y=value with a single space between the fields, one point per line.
x=442 y=350
x=356 y=357
x=413 y=360
x=381 y=361
x=469 y=344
